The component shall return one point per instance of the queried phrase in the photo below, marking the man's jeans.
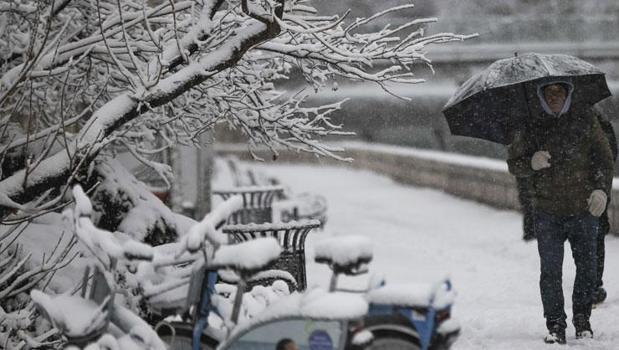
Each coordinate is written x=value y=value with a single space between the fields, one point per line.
x=552 y=231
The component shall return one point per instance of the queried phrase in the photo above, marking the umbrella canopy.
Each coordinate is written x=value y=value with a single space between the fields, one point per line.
x=498 y=100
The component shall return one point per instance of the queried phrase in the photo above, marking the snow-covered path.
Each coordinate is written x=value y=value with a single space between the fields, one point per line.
x=422 y=234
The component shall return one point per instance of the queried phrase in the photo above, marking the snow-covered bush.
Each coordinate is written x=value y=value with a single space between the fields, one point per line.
x=20 y=271
x=123 y=203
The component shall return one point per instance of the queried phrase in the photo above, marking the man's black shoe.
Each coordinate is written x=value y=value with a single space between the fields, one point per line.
x=583 y=327
x=556 y=335
x=599 y=295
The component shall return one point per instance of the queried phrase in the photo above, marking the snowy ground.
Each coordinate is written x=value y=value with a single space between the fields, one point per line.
x=422 y=234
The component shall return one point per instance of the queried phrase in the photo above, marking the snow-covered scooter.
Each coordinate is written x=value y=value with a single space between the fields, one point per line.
x=382 y=317
x=408 y=316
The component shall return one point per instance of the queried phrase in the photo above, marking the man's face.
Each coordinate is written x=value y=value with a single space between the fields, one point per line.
x=555 y=96
x=291 y=346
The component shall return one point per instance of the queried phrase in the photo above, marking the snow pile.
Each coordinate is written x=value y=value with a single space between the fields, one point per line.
x=343 y=250
x=260 y=298
x=272 y=293
x=250 y=255
x=72 y=315
x=287 y=306
x=44 y=239
x=413 y=295
x=258 y=301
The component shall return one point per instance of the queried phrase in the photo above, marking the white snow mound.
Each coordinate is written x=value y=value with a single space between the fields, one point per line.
x=249 y=255
x=344 y=250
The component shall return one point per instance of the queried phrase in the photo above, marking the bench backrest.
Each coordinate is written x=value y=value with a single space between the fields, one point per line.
x=291 y=237
x=257 y=203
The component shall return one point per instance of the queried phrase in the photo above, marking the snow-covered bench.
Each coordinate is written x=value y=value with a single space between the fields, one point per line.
x=246 y=259
x=271 y=204
x=257 y=203
x=266 y=199
x=302 y=206
x=291 y=237
x=289 y=266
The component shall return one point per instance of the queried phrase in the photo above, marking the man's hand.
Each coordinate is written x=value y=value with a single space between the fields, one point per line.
x=540 y=160
x=597 y=202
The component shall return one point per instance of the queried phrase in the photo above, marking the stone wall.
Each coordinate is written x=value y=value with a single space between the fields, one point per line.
x=480 y=179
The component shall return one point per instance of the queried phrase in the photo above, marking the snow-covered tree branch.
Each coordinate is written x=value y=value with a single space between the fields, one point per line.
x=82 y=78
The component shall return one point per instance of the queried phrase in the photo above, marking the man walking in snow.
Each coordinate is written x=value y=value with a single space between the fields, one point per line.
x=566 y=157
x=525 y=188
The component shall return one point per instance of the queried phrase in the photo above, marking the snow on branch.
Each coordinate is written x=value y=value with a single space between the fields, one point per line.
x=102 y=74
x=209 y=229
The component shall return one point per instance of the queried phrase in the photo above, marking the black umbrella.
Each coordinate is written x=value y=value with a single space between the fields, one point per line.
x=497 y=101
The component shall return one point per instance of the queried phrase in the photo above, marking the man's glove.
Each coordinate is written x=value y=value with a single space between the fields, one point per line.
x=597 y=202
x=540 y=160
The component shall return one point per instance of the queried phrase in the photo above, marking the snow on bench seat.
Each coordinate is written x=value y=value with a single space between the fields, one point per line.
x=249 y=255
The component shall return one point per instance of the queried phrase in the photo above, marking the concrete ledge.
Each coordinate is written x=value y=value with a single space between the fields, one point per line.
x=483 y=180
x=493 y=51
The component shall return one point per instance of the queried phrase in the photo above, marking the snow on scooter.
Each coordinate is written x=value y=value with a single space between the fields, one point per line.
x=382 y=317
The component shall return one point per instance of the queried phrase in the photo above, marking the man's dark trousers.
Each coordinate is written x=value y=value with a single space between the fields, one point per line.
x=552 y=232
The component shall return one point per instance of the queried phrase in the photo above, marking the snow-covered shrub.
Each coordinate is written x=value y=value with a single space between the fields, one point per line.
x=123 y=203
x=20 y=271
